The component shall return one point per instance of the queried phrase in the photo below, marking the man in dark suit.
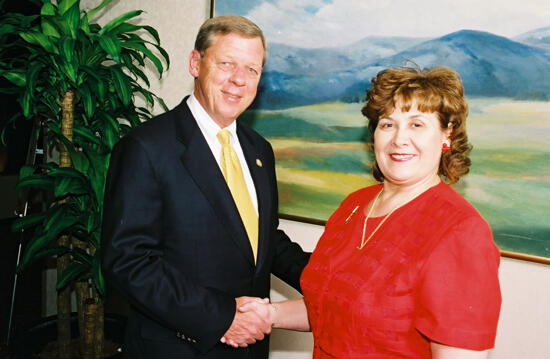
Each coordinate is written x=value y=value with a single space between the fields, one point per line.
x=175 y=241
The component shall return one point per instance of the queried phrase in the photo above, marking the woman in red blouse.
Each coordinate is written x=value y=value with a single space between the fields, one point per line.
x=406 y=268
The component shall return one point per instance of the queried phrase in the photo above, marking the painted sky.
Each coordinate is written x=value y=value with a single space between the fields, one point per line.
x=329 y=23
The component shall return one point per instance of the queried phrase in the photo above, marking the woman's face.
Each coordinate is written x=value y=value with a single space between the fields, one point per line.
x=408 y=144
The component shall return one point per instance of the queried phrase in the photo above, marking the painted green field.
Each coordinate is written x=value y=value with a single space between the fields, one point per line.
x=509 y=182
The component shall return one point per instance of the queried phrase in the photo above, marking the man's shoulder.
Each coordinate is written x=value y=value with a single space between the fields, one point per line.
x=251 y=134
x=160 y=125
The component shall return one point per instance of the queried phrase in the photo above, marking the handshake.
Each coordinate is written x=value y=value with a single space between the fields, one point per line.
x=253 y=319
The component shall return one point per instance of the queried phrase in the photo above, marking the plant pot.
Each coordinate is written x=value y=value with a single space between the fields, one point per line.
x=29 y=342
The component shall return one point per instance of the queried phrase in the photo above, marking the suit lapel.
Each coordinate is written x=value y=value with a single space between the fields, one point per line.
x=203 y=168
x=259 y=175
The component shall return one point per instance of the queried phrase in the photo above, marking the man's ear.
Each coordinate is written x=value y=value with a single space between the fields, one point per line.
x=194 y=63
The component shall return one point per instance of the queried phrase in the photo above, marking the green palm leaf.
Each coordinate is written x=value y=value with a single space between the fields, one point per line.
x=119 y=20
x=154 y=59
x=111 y=46
x=65 y=5
x=73 y=271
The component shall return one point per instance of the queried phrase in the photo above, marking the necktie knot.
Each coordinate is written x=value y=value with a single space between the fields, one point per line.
x=223 y=137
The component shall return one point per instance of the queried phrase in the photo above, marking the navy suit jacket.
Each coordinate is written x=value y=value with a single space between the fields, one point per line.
x=174 y=244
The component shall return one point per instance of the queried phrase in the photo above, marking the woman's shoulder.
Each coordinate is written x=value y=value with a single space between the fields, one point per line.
x=363 y=194
x=353 y=202
x=453 y=203
x=463 y=224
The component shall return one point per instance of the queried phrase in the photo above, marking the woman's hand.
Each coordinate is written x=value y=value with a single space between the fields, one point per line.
x=290 y=314
x=262 y=307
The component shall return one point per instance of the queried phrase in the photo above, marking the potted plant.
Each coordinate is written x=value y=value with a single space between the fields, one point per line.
x=81 y=81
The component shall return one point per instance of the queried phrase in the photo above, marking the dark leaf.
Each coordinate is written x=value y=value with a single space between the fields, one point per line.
x=17 y=77
x=38 y=38
x=28 y=221
x=48 y=28
x=38 y=181
x=69 y=186
x=122 y=85
x=119 y=20
x=47 y=9
x=65 y=5
x=90 y=14
x=87 y=135
x=153 y=33
x=147 y=53
x=98 y=85
x=68 y=49
x=26 y=171
x=87 y=100
x=111 y=45
x=72 y=272
x=72 y=17
x=39 y=240
x=82 y=256
x=97 y=275
x=59 y=219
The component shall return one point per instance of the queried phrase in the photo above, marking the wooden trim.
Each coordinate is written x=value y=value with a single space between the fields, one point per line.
x=525 y=257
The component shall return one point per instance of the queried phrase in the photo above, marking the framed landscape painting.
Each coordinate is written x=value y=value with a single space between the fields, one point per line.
x=322 y=56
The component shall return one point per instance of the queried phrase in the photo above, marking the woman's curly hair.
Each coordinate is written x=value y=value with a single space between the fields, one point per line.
x=437 y=90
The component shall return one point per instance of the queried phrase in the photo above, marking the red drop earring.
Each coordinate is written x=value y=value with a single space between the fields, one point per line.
x=445 y=147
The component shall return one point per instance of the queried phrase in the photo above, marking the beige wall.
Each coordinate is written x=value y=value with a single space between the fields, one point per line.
x=524 y=325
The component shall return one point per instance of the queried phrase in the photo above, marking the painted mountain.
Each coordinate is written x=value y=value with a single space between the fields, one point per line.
x=537 y=38
x=490 y=66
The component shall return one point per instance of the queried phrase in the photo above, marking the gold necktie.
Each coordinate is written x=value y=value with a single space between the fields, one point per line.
x=233 y=173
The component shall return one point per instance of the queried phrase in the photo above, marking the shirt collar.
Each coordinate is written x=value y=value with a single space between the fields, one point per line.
x=207 y=125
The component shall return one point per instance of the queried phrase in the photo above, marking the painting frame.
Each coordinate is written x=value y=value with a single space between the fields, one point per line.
x=298 y=218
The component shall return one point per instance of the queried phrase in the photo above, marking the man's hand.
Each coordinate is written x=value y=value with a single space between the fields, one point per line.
x=247 y=327
x=263 y=308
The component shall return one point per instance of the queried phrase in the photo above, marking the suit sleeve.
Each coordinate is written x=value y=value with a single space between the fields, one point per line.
x=133 y=258
x=290 y=259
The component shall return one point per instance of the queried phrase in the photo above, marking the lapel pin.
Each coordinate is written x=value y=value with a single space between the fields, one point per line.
x=258 y=162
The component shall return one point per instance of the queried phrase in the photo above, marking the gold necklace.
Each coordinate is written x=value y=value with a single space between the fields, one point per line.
x=363 y=241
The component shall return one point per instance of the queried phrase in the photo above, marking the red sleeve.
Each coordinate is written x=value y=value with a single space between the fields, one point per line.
x=459 y=293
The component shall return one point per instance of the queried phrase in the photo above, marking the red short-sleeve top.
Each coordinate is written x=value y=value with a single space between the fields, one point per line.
x=430 y=273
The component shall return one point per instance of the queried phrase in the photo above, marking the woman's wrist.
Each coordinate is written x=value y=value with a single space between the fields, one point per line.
x=273 y=309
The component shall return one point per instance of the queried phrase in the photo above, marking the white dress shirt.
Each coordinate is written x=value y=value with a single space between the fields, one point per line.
x=210 y=129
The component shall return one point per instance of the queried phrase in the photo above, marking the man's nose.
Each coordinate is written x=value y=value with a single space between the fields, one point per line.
x=238 y=76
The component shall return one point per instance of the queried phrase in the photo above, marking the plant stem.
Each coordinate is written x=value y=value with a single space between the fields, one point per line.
x=64 y=295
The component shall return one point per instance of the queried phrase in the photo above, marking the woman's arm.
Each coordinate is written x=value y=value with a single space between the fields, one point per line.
x=440 y=351
x=290 y=314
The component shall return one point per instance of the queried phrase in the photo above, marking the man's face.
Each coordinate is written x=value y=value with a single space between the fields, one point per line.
x=227 y=76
